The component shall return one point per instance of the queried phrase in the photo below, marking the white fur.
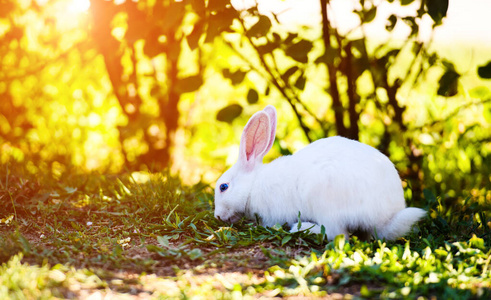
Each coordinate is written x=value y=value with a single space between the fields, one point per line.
x=336 y=182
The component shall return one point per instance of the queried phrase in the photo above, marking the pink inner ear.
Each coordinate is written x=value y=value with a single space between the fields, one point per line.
x=257 y=138
x=271 y=111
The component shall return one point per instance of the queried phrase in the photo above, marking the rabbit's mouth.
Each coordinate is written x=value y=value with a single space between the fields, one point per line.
x=234 y=218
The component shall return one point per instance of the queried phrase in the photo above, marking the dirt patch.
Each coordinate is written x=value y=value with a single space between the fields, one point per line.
x=137 y=258
x=139 y=273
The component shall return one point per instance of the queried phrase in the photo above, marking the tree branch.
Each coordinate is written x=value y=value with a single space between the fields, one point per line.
x=282 y=89
x=353 y=132
x=454 y=113
x=331 y=69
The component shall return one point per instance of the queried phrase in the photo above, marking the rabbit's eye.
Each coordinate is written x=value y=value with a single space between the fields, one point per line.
x=223 y=187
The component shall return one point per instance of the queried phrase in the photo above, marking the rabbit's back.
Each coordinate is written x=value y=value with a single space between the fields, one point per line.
x=347 y=182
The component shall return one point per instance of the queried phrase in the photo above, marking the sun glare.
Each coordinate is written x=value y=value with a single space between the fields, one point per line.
x=79 y=6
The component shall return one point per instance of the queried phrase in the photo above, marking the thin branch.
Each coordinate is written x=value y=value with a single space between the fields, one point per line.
x=454 y=113
x=40 y=67
x=276 y=82
x=333 y=85
x=287 y=85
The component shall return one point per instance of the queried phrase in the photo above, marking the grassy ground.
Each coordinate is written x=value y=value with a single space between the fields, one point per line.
x=146 y=236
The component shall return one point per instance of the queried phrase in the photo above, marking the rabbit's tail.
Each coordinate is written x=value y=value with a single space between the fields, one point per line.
x=401 y=223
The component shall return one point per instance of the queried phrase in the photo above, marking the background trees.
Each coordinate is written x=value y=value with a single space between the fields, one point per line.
x=151 y=84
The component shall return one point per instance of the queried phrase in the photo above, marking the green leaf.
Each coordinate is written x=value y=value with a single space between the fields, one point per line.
x=189 y=84
x=449 y=65
x=411 y=22
x=327 y=57
x=299 y=51
x=480 y=92
x=437 y=9
x=194 y=37
x=117 y=251
x=322 y=235
x=153 y=248
x=448 y=84
x=392 y=21
x=229 y=113
x=236 y=77
x=290 y=38
x=261 y=28
x=25 y=244
x=477 y=242
x=219 y=23
x=485 y=71
x=299 y=219
x=345 y=279
x=370 y=15
x=267 y=48
x=365 y=292
x=300 y=83
x=487 y=113
x=286 y=239
x=163 y=241
x=252 y=96
x=429 y=196
x=288 y=73
x=339 y=241
x=195 y=254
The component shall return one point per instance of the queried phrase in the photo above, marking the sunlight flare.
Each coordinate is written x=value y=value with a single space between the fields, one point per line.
x=78 y=6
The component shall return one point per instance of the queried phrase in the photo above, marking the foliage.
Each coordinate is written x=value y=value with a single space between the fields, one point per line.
x=53 y=110
x=404 y=273
x=118 y=87
x=22 y=281
x=113 y=232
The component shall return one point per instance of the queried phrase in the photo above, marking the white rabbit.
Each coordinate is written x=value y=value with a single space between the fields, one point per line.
x=336 y=182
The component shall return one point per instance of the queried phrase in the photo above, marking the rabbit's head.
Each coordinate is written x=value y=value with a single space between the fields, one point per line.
x=233 y=188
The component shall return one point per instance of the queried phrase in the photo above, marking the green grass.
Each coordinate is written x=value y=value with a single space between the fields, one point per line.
x=19 y=281
x=147 y=235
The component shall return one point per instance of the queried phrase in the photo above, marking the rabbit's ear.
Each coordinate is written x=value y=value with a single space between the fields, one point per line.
x=254 y=142
x=271 y=111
